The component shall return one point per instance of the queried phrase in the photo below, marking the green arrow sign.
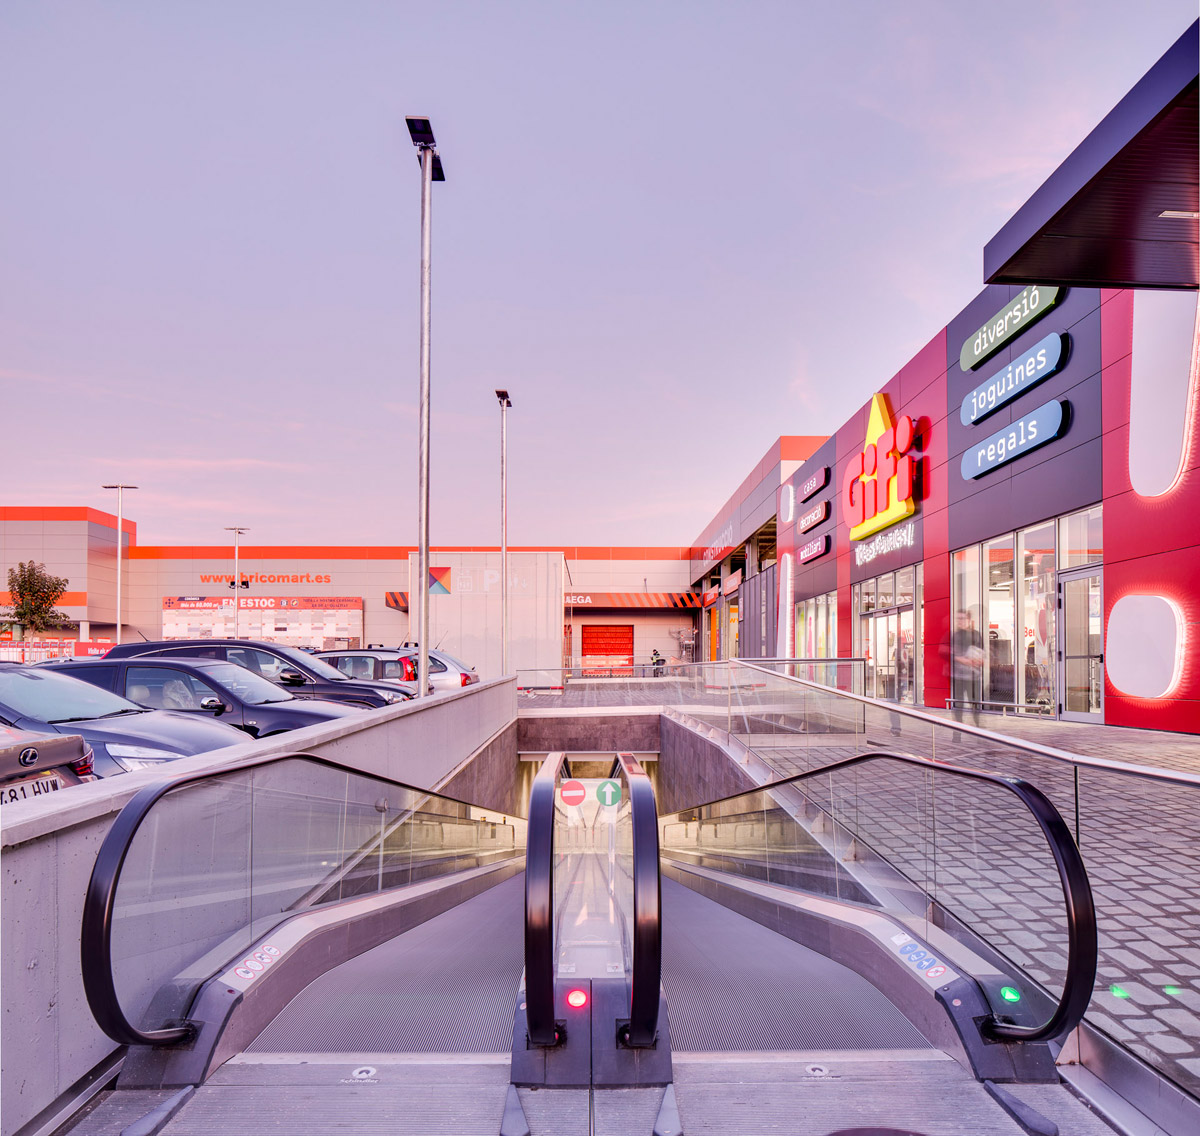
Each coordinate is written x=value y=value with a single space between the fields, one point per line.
x=608 y=792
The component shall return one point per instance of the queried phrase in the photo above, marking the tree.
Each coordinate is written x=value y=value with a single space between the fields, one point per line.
x=33 y=593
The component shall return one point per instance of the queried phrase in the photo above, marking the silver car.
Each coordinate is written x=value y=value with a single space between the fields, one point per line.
x=445 y=671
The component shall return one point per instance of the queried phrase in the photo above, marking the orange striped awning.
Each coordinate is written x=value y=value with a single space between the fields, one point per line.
x=660 y=600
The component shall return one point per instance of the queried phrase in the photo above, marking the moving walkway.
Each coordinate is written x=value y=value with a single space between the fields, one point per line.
x=294 y=946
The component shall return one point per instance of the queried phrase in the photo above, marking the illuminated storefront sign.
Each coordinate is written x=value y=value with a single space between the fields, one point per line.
x=817 y=481
x=813 y=517
x=1042 y=360
x=903 y=537
x=818 y=546
x=299 y=620
x=1043 y=425
x=1023 y=311
x=878 y=487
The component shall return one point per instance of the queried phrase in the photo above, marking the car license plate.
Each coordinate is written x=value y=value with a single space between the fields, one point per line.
x=31 y=787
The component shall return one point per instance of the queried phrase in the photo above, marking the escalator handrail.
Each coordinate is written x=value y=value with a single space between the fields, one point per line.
x=646 y=978
x=95 y=939
x=1082 y=942
x=539 y=902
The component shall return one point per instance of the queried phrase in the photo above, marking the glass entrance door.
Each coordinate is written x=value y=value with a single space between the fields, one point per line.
x=883 y=628
x=889 y=647
x=1081 y=668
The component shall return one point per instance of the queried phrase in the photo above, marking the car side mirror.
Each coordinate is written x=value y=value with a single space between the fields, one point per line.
x=214 y=704
x=291 y=678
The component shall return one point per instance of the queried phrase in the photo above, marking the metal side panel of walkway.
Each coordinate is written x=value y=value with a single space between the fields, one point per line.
x=446 y=986
x=734 y=985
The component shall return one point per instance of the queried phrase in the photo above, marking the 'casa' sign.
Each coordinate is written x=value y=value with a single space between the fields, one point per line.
x=877 y=490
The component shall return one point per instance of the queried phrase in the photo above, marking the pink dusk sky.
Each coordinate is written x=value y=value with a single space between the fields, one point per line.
x=673 y=231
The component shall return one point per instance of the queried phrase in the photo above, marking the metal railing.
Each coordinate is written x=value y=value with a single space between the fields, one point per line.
x=1081 y=964
x=539 y=903
x=646 y=977
x=610 y=684
x=357 y=830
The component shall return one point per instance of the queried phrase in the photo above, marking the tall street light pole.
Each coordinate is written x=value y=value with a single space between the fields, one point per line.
x=505 y=404
x=431 y=171
x=237 y=531
x=120 y=546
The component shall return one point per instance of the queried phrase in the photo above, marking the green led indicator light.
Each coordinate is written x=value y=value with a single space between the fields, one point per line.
x=1172 y=990
x=1010 y=993
x=1117 y=991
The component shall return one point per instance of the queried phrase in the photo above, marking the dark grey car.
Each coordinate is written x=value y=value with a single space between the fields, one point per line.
x=207 y=687
x=302 y=674
x=123 y=735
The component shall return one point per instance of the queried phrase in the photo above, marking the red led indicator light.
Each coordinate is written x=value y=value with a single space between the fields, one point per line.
x=577 y=999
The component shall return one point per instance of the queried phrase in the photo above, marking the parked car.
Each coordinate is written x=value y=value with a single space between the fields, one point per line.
x=304 y=675
x=122 y=735
x=35 y=764
x=376 y=663
x=212 y=687
x=445 y=671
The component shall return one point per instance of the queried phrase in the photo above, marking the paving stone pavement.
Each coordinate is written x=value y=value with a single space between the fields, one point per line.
x=981 y=855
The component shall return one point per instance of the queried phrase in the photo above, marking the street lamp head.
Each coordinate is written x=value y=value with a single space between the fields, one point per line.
x=118 y=486
x=505 y=401
x=421 y=131
x=422 y=136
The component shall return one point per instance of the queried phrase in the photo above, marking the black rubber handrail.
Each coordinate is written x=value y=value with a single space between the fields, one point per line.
x=539 y=903
x=1077 y=892
x=95 y=939
x=646 y=978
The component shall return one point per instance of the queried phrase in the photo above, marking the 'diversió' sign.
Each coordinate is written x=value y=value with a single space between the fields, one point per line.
x=1021 y=312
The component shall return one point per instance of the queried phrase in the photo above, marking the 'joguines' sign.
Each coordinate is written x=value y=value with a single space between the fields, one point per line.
x=1041 y=361
x=1036 y=429
x=1024 y=310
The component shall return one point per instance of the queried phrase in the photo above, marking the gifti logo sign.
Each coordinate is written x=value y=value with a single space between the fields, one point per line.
x=878 y=487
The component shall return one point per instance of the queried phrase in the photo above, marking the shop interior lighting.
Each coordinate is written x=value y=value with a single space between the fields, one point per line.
x=1180 y=214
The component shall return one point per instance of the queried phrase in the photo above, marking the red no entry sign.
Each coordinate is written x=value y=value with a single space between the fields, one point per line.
x=572 y=792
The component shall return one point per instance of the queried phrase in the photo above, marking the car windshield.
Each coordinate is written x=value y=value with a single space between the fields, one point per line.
x=51 y=697
x=309 y=663
x=250 y=688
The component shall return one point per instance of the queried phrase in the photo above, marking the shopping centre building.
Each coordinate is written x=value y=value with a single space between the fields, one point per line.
x=1012 y=520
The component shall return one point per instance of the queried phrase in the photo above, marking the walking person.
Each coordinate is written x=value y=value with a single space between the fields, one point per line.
x=966 y=667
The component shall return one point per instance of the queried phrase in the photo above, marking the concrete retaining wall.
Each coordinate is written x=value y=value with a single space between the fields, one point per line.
x=591 y=730
x=692 y=768
x=48 y=1036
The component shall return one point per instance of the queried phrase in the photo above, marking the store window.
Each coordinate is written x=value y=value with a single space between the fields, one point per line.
x=887 y=635
x=1004 y=591
x=1080 y=539
x=1035 y=555
x=999 y=680
x=816 y=627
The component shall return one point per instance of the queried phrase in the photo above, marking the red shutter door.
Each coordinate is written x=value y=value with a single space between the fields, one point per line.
x=607 y=649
